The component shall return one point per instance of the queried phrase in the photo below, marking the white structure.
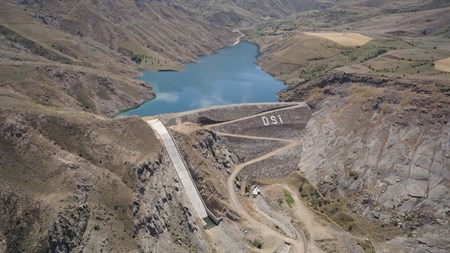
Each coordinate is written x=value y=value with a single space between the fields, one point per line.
x=256 y=191
x=183 y=173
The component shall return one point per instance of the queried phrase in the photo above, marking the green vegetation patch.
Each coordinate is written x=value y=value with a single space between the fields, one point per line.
x=288 y=198
x=333 y=209
x=138 y=58
x=337 y=212
x=365 y=92
x=256 y=243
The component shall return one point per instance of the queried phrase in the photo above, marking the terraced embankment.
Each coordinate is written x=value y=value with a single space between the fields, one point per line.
x=228 y=150
x=278 y=125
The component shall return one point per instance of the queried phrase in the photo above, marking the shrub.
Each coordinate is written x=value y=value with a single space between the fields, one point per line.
x=137 y=58
x=256 y=243
x=280 y=201
x=354 y=175
x=288 y=198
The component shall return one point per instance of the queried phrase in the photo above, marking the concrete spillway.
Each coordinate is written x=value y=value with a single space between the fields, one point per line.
x=183 y=173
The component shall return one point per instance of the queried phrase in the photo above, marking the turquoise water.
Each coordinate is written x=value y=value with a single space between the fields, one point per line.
x=228 y=77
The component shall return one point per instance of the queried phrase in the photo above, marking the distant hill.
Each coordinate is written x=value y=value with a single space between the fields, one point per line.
x=75 y=43
x=157 y=29
x=245 y=12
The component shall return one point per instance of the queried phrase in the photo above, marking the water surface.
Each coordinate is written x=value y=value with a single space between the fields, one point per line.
x=231 y=76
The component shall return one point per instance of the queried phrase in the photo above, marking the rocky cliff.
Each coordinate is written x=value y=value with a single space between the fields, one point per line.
x=382 y=144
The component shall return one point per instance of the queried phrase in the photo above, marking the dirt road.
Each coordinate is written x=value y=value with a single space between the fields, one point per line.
x=298 y=245
x=238 y=40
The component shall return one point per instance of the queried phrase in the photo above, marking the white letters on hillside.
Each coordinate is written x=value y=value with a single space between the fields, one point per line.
x=272 y=120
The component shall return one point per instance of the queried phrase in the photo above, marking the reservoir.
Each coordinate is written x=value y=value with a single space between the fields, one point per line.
x=231 y=76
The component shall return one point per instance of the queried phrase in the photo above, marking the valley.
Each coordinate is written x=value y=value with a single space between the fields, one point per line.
x=354 y=157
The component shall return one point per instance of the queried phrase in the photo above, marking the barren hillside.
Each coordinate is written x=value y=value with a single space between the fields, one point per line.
x=83 y=55
x=366 y=157
x=75 y=181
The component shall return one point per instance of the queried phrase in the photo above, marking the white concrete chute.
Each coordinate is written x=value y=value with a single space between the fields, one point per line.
x=183 y=173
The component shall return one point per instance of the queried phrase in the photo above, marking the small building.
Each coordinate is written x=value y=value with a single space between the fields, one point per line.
x=256 y=191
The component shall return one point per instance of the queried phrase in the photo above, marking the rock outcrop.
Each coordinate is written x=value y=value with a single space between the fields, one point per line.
x=17 y=215
x=384 y=144
x=212 y=147
x=68 y=229
x=162 y=218
x=98 y=185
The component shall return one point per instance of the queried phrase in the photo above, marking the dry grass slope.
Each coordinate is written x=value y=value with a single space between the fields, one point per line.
x=343 y=39
x=443 y=65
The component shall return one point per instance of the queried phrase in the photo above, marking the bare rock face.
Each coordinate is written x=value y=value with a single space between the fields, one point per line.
x=388 y=151
x=212 y=147
x=67 y=231
x=162 y=219
x=208 y=158
x=17 y=215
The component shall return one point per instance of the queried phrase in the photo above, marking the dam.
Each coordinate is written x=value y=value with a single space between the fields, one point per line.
x=271 y=125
